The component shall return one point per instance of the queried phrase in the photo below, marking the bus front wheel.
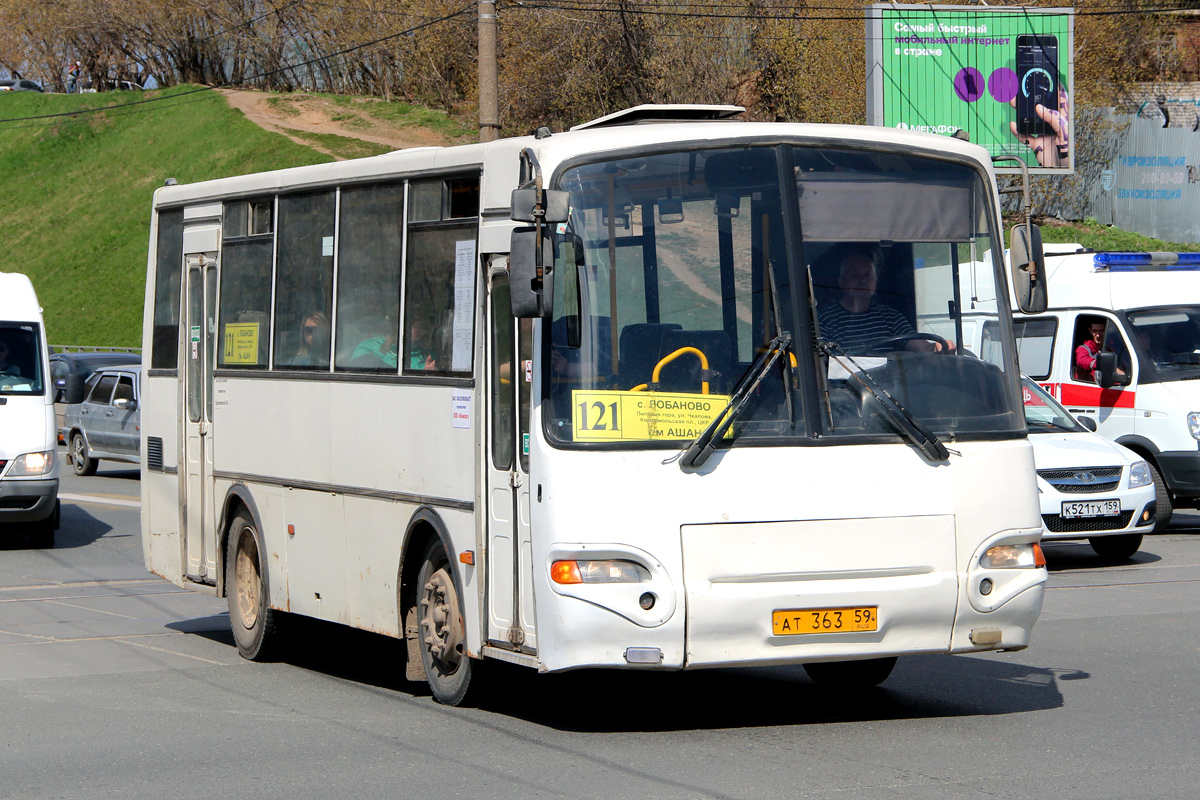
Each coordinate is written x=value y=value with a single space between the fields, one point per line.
x=442 y=638
x=250 y=615
x=851 y=674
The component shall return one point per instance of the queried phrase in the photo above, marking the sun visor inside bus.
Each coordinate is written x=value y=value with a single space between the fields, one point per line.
x=861 y=208
x=741 y=170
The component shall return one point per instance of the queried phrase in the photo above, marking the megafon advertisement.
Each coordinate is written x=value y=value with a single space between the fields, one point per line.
x=1002 y=75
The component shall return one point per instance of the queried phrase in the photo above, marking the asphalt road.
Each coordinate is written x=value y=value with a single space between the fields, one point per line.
x=116 y=684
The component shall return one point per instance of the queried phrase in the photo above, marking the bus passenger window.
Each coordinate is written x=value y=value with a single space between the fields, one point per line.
x=245 y=286
x=304 y=281
x=370 y=241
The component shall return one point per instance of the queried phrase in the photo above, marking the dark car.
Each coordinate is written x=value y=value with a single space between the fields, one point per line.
x=19 y=85
x=63 y=365
x=107 y=424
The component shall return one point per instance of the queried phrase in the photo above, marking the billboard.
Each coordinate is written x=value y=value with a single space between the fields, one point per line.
x=1004 y=75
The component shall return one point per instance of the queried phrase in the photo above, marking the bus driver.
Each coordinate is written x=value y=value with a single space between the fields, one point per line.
x=856 y=322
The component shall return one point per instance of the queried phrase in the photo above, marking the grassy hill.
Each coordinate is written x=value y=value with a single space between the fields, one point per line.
x=76 y=194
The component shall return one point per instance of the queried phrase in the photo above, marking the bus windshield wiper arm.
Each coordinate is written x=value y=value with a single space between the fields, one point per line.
x=900 y=417
x=702 y=446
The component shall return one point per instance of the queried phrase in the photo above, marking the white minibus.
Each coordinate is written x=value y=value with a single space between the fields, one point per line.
x=28 y=437
x=655 y=393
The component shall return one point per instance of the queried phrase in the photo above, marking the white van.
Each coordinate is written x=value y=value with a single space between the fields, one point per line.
x=28 y=463
x=1139 y=381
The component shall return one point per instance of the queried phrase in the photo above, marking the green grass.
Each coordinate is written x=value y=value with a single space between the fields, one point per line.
x=343 y=146
x=1102 y=237
x=77 y=192
x=406 y=115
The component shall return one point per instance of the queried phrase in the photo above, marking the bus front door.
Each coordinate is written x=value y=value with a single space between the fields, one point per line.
x=511 y=619
x=201 y=304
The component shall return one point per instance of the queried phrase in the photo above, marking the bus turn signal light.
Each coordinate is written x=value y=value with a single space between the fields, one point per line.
x=598 y=572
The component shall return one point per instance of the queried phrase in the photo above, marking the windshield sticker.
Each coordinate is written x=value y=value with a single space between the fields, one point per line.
x=241 y=343
x=615 y=416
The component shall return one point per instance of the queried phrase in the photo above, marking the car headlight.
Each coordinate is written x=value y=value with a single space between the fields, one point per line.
x=32 y=464
x=1139 y=475
x=598 y=572
x=1194 y=424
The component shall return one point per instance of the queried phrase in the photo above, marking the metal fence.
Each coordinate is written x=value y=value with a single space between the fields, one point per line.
x=1132 y=173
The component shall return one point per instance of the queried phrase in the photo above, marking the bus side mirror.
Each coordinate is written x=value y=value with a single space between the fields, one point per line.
x=555 y=206
x=1028 y=267
x=530 y=283
x=1106 y=370
x=72 y=388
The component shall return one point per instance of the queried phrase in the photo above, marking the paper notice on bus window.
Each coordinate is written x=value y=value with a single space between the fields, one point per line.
x=241 y=343
x=840 y=372
x=464 y=305
x=613 y=416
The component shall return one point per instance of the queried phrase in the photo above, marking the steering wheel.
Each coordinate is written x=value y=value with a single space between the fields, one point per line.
x=897 y=343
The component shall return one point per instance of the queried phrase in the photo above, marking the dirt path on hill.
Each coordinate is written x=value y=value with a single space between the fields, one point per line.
x=292 y=113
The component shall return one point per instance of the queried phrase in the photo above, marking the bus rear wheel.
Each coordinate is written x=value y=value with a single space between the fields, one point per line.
x=442 y=638
x=250 y=615
x=851 y=674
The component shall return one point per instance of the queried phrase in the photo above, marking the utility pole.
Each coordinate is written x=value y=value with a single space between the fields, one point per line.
x=489 y=73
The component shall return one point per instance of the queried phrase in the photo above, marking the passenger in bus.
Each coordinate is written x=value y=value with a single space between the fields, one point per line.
x=314 y=341
x=379 y=350
x=420 y=349
x=856 y=322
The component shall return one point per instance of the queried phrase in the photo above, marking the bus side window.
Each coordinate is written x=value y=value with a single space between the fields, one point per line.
x=370 y=247
x=304 y=281
x=246 y=253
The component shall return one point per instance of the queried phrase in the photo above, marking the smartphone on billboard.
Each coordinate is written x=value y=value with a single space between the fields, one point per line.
x=1037 y=82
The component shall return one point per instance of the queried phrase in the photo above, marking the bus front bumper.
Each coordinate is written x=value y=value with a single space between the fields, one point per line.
x=1181 y=471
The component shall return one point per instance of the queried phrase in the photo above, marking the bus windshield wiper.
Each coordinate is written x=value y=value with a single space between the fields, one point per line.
x=702 y=446
x=900 y=417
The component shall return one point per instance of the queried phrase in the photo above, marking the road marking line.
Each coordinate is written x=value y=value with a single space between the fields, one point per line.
x=63 y=584
x=95 y=498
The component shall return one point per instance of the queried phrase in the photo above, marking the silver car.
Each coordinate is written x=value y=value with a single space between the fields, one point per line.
x=107 y=424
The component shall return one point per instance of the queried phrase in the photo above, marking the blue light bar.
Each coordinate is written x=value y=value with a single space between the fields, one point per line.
x=1146 y=262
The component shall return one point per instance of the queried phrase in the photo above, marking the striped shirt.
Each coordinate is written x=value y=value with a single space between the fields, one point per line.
x=856 y=334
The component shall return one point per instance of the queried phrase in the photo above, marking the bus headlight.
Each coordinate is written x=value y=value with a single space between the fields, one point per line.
x=598 y=572
x=32 y=464
x=1139 y=475
x=1194 y=424
x=1006 y=556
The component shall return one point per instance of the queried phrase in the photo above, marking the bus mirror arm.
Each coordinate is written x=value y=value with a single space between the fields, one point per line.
x=1027 y=259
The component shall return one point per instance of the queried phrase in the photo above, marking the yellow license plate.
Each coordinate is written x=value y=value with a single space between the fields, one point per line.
x=852 y=619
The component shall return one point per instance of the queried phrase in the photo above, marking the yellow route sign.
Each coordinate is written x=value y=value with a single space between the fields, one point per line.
x=614 y=416
x=241 y=343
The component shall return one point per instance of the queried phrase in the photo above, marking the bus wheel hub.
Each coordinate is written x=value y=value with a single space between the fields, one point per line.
x=441 y=623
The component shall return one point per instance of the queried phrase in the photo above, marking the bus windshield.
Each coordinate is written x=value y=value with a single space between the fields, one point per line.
x=676 y=270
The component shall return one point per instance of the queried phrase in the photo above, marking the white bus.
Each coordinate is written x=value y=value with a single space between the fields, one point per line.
x=627 y=448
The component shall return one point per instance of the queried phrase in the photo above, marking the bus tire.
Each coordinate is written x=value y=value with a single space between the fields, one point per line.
x=81 y=461
x=1121 y=546
x=851 y=674
x=442 y=632
x=250 y=616
x=1163 y=509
